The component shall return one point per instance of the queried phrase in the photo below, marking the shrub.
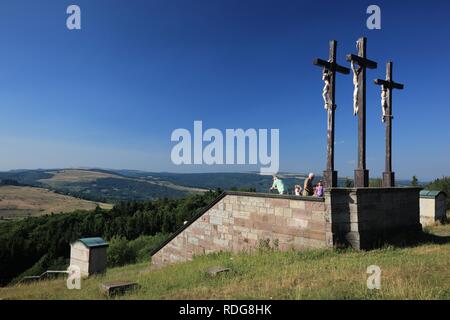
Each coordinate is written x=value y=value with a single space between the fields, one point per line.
x=144 y=245
x=120 y=252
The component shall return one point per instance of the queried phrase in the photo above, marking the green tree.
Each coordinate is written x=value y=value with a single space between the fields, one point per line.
x=119 y=252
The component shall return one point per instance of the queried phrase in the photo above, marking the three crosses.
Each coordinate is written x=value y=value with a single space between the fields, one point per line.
x=359 y=64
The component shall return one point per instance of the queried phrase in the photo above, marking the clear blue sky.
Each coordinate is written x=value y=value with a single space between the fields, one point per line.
x=110 y=94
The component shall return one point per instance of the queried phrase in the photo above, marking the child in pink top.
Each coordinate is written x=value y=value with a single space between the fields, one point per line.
x=319 y=189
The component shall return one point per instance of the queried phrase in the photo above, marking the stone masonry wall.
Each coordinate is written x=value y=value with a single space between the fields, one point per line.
x=238 y=222
x=358 y=217
x=367 y=217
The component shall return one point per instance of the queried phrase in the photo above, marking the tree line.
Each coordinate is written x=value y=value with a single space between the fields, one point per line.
x=37 y=243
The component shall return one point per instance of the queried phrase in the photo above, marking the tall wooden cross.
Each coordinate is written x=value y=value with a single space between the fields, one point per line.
x=361 y=173
x=387 y=86
x=330 y=68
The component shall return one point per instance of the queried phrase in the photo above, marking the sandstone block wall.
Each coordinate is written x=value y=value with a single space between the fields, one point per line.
x=239 y=221
x=360 y=217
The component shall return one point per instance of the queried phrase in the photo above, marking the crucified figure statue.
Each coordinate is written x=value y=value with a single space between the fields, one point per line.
x=384 y=104
x=356 y=73
x=326 y=77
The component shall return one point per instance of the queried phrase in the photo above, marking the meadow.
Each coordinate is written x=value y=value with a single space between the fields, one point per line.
x=416 y=272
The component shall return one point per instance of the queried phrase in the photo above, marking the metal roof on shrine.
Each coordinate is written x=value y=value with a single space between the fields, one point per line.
x=93 y=242
x=431 y=193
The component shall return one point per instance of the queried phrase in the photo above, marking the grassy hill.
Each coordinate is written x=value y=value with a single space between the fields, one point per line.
x=20 y=201
x=100 y=185
x=417 y=272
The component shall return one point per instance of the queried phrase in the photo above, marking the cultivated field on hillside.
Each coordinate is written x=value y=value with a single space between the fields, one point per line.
x=19 y=202
x=75 y=175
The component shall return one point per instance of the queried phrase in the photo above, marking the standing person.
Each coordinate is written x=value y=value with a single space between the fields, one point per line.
x=319 y=189
x=278 y=185
x=308 y=189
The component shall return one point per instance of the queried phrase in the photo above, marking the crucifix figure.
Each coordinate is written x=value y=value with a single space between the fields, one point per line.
x=356 y=72
x=326 y=94
x=330 y=68
x=359 y=107
x=386 y=103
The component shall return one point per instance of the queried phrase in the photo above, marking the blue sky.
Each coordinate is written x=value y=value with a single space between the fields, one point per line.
x=111 y=94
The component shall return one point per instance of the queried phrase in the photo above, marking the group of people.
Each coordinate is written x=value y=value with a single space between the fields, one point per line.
x=308 y=188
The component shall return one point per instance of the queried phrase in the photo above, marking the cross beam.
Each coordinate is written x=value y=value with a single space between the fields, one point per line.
x=388 y=85
x=361 y=173
x=332 y=66
x=330 y=175
x=363 y=62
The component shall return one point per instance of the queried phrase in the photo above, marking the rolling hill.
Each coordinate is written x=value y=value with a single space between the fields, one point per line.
x=113 y=186
x=98 y=185
x=20 y=201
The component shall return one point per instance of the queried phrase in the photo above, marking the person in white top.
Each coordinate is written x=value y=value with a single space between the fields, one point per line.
x=298 y=190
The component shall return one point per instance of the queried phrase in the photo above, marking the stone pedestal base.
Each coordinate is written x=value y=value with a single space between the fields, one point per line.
x=388 y=179
x=329 y=179
x=367 y=218
x=361 y=178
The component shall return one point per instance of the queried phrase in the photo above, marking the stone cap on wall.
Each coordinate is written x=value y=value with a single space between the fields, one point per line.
x=371 y=189
x=234 y=193
x=274 y=195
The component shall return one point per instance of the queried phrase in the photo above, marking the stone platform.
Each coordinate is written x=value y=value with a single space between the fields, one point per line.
x=238 y=221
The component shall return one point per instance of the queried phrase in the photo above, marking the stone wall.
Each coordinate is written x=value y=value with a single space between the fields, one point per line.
x=240 y=221
x=367 y=217
x=359 y=217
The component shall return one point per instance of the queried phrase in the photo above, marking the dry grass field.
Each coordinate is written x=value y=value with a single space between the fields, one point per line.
x=19 y=202
x=76 y=175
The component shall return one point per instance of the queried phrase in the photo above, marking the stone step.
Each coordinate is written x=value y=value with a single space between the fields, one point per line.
x=214 y=271
x=117 y=287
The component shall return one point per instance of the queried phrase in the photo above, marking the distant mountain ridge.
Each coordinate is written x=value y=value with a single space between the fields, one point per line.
x=112 y=186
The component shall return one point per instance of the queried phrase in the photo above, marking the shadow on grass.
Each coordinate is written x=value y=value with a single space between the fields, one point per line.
x=418 y=238
x=438 y=233
x=426 y=237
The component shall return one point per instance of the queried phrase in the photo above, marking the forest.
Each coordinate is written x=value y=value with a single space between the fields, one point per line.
x=36 y=244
